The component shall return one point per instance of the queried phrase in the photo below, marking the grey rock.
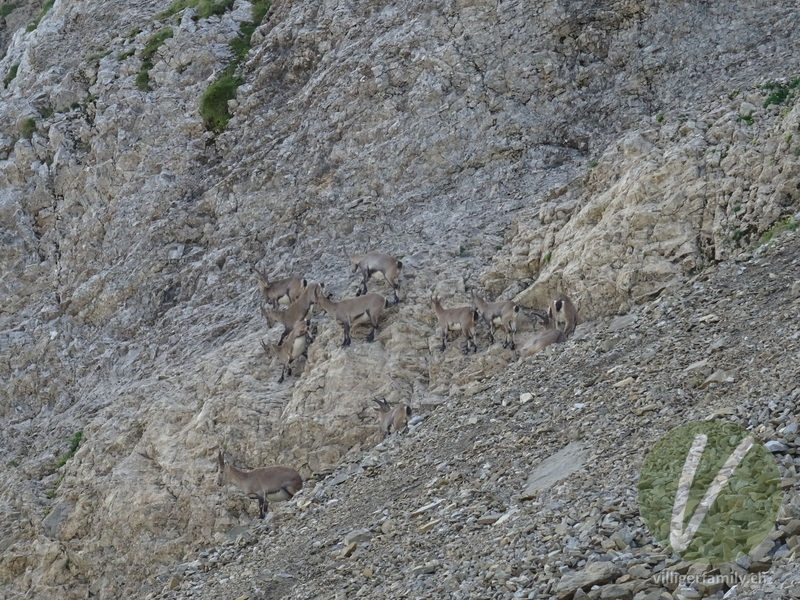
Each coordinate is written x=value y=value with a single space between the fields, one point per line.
x=553 y=469
x=596 y=573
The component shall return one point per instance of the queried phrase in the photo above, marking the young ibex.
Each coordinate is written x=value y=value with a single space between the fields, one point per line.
x=501 y=314
x=269 y=484
x=464 y=319
x=550 y=335
x=353 y=311
x=282 y=291
x=299 y=310
x=376 y=262
x=392 y=419
x=562 y=310
x=293 y=347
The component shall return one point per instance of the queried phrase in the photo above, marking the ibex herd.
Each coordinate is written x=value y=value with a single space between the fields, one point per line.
x=300 y=299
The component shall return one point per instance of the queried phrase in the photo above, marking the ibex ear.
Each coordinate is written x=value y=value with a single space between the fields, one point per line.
x=221 y=459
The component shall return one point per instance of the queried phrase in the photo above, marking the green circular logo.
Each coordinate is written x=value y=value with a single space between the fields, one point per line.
x=710 y=491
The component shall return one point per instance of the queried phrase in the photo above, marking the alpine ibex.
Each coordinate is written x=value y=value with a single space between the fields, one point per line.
x=550 y=335
x=299 y=310
x=292 y=347
x=501 y=314
x=352 y=311
x=269 y=484
x=377 y=262
x=464 y=319
x=562 y=310
x=281 y=291
x=392 y=418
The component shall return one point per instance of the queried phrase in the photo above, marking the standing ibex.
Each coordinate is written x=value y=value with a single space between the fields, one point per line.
x=392 y=418
x=352 y=311
x=269 y=484
x=376 y=262
x=501 y=314
x=299 y=310
x=562 y=310
x=281 y=291
x=293 y=347
x=464 y=319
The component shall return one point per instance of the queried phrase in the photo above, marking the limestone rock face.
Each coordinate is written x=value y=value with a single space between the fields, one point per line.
x=608 y=150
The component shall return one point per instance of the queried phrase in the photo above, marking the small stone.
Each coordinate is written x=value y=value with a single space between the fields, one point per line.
x=388 y=526
x=173 y=583
x=525 y=398
x=608 y=344
x=719 y=376
x=426 y=569
x=426 y=508
x=348 y=550
x=625 y=382
x=774 y=446
x=790 y=429
x=639 y=571
x=792 y=527
x=489 y=518
x=708 y=319
x=616 y=592
x=368 y=572
x=593 y=574
x=725 y=411
x=358 y=535
x=621 y=322
x=429 y=525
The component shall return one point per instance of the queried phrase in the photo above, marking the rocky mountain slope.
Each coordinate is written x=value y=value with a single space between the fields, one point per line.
x=613 y=151
x=520 y=484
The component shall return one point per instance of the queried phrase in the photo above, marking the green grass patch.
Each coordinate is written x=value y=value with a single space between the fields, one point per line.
x=214 y=103
x=27 y=128
x=74 y=443
x=151 y=47
x=204 y=8
x=7 y=9
x=98 y=56
x=780 y=92
x=748 y=119
x=45 y=9
x=787 y=224
x=155 y=42
x=12 y=73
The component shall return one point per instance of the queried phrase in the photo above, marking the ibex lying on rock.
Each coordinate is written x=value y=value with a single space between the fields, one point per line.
x=464 y=319
x=281 y=291
x=501 y=314
x=376 y=262
x=298 y=311
x=562 y=310
x=352 y=311
x=550 y=335
x=292 y=347
x=392 y=419
x=270 y=484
